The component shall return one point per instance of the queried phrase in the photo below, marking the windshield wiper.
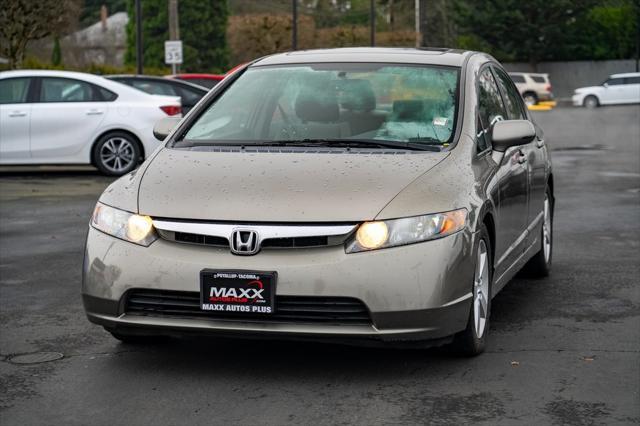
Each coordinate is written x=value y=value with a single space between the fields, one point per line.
x=355 y=143
x=348 y=143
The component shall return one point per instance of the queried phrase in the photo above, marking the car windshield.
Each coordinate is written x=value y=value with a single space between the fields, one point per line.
x=361 y=103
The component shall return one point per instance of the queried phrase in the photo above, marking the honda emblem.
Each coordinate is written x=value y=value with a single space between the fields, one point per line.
x=244 y=242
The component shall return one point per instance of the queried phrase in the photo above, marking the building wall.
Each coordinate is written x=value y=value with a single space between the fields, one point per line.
x=567 y=76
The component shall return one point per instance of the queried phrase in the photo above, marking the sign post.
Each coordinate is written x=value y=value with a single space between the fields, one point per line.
x=173 y=53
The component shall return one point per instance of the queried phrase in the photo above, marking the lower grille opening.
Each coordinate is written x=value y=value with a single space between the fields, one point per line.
x=288 y=309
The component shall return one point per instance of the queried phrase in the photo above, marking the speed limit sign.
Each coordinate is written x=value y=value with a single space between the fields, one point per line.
x=173 y=52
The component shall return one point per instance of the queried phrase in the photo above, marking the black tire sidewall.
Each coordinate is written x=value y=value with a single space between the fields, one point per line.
x=102 y=140
x=533 y=96
x=591 y=97
x=467 y=342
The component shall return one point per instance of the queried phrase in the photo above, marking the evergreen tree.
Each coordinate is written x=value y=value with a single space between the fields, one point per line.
x=203 y=25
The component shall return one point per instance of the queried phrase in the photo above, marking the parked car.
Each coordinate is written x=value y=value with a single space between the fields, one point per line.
x=205 y=80
x=533 y=87
x=59 y=117
x=189 y=93
x=617 y=89
x=381 y=195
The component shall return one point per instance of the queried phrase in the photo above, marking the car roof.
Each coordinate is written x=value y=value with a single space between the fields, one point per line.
x=537 y=74
x=124 y=91
x=53 y=73
x=626 y=74
x=430 y=56
x=216 y=77
x=157 y=78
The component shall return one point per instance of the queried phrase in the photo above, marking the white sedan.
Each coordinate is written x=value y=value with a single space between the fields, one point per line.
x=59 y=117
x=617 y=89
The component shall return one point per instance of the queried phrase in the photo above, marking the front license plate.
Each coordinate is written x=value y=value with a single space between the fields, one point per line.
x=243 y=292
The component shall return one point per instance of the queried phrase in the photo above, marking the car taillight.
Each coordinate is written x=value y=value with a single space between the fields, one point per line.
x=548 y=88
x=171 y=109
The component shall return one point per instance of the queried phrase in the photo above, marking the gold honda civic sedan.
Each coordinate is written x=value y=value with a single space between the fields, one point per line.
x=359 y=195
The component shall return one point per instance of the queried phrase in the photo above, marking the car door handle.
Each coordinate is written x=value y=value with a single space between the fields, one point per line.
x=17 y=114
x=94 y=112
x=522 y=157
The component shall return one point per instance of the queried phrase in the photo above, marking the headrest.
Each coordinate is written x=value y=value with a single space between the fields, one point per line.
x=318 y=102
x=408 y=110
x=357 y=95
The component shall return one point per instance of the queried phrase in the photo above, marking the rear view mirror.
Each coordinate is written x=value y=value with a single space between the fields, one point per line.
x=163 y=127
x=512 y=133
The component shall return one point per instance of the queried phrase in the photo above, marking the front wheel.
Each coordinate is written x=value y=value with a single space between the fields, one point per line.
x=116 y=153
x=539 y=266
x=472 y=340
x=530 y=99
x=591 y=102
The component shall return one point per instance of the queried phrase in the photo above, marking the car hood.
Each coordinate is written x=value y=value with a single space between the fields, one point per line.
x=277 y=186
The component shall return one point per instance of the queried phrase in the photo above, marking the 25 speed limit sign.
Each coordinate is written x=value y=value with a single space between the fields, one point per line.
x=173 y=52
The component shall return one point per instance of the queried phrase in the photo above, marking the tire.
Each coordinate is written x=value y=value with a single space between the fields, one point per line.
x=472 y=341
x=591 y=102
x=116 y=153
x=530 y=98
x=539 y=266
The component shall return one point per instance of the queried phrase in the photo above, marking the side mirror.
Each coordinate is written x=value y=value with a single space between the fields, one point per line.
x=605 y=84
x=510 y=133
x=163 y=127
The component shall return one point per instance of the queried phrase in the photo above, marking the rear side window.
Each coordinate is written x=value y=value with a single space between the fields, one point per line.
x=205 y=82
x=14 y=90
x=512 y=99
x=106 y=95
x=190 y=97
x=65 y=90
x=517 y=78
x=154 y=87
x=632 y=80
x=538 y=79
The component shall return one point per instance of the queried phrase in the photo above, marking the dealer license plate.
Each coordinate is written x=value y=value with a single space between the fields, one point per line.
x=242 y=292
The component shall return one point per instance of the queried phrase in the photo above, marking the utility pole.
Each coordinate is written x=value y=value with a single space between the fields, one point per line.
x=417 y=22
x=294 y=24
x=421 y=23
x=139 y=58
x=174 y=27
x=372 y=18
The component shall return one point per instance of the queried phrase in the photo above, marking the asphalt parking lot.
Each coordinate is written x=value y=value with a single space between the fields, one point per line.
x=563 y=350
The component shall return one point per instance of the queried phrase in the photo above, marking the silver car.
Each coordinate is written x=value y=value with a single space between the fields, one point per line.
x=352 y=195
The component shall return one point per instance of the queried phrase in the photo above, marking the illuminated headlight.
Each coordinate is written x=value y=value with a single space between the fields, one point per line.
x=409 y=230
x=124 y=225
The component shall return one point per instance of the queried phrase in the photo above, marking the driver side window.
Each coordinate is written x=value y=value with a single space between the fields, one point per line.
x=490 y=108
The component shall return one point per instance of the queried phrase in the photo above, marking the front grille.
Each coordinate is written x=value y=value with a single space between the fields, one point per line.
x=184 y=237
x=288 y=309
x=294 y=242
x=297 y=242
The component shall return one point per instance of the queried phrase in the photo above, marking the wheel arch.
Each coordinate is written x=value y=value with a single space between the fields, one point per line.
x=115 y=130
x=591 y=95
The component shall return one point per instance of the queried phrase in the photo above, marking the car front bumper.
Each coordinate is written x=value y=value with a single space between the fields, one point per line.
x=577 y=99
x=413 y=293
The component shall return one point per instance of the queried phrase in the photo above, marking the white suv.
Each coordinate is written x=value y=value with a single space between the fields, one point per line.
x=533 y=87
x=617 y=89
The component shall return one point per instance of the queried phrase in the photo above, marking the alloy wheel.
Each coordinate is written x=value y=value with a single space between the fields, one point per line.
x=546 y=230
x=117 y=154
x=481 y=290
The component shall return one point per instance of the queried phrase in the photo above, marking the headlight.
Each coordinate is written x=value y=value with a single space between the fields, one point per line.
x=410 y=230
x=124 y=225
